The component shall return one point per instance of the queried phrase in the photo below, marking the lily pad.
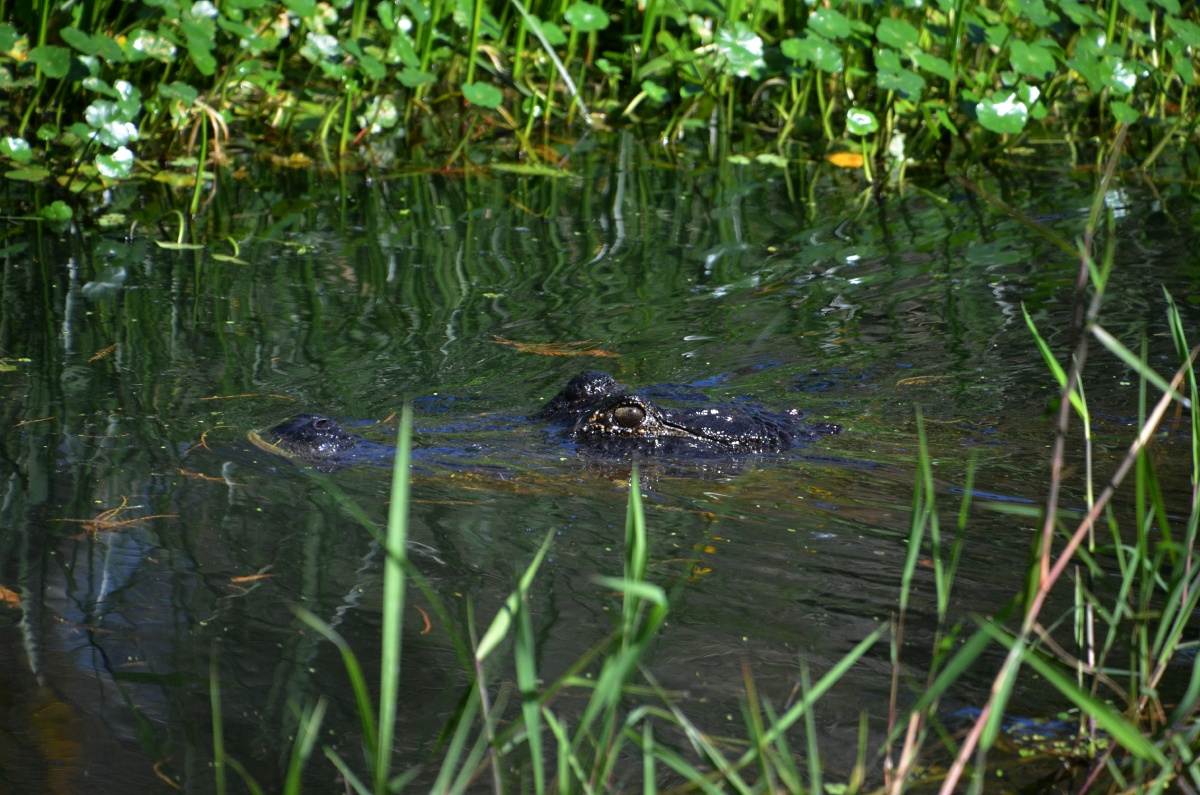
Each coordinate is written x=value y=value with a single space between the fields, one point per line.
x=861 y=122
x=1002 y=113
x=483 y=94
x=57 y=210
x=830 y=23
x=586 y=17
x=742 y=49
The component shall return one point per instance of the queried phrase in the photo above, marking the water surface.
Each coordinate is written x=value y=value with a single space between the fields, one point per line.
x=141 y=534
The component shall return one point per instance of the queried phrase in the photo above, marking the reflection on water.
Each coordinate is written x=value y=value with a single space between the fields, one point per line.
x=142 y=535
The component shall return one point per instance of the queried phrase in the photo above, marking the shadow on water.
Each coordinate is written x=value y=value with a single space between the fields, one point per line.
x=141 y=533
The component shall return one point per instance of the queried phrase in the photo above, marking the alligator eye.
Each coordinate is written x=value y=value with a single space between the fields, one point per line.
x=320 y=423
x=629 y=416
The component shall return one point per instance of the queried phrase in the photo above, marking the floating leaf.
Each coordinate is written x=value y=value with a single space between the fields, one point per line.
x=903 y=81
x=180 y=92
x=1186 y=30
x=1123 y=112
x=1031 y=59
x=48 y=132
x=56 y=211
x=17 y=149
x=1138 y=9
x=118 y=165
x=1035 y=11
x=9 y=36
x=830 y=23
x=483 y=94
x=821 y=53
x=31 y=174
x=586 y=17
x=551 y=32
x=1118 y=74
x=79 y=40
x=861 y=122
x=742 y=49
x=896 y=33
x=414 y=77
x=931 y=63
x=1080 y=13
x=1002 y=113
x=305 y=9
x=142 y=44
x=54 y=61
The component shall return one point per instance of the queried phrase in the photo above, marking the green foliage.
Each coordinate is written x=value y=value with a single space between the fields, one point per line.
x=121 y=90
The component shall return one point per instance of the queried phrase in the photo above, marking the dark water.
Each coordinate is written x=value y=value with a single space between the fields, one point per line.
x=140 y=534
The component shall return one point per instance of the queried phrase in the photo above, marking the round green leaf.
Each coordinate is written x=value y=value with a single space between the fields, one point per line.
x=31 y=174
x=118 y=165
x=101 y=112
x=586 y=17
x=1002 y=113
x=54 y=61
x=99 y=86
x=372 y=67
x=742 y=49
x=412 y=78
x=118 y=133
x=813 y=49
x=9 y=36
x=1186 y=30
x=17 y=149
x=552 y=33
x=830 y=23
x=1123 y=112
x=1080 y=13
x=653 y=90
x=483 y=94
x=79 y=40
x=47 y=132
x=180 y=92
x=896 y=33
x=932 y=63
x=108 y=49
x=142 y=44
x=1118 y=74
x=1031 y=59
x=861 y=122
x=902 y=81
x=56 y=211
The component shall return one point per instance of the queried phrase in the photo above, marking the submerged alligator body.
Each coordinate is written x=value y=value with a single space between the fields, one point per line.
x=600 y=415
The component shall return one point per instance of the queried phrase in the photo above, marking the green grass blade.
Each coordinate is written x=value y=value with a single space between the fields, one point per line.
x=525 y=652
x=348 y=774
x=393 y=600
x=1135 y=363
x=307 y=732
x=502 y=623
x=218 y=726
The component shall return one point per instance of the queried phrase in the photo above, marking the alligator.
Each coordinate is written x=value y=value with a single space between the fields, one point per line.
x=601 y=416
